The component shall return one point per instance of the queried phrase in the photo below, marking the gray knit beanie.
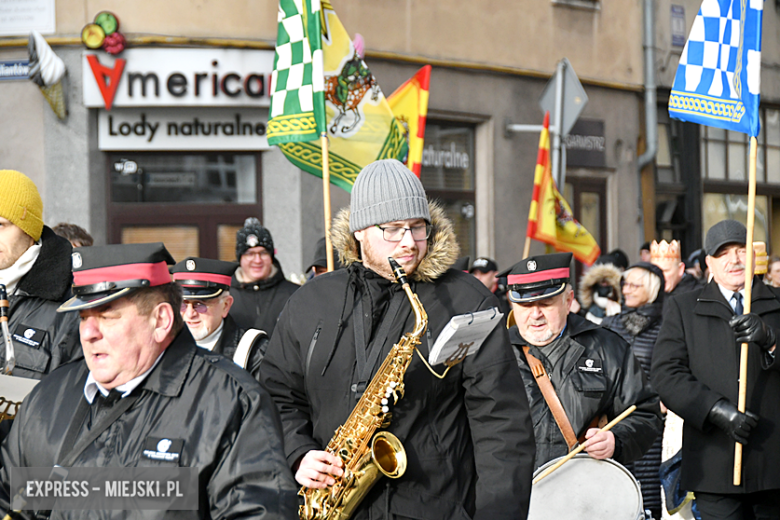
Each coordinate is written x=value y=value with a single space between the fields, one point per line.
x=386 y=191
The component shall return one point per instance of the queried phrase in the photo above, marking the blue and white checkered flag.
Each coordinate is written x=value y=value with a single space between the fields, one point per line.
x=719 y=77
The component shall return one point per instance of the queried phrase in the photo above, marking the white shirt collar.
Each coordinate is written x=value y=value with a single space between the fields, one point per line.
x=91 y=387
x=210 y=341
x=730 y=294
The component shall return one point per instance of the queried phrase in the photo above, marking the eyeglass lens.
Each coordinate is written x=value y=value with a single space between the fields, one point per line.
x=198 y=307
x=396 y=234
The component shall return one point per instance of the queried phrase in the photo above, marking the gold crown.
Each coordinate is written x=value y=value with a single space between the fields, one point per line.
x=665 y=251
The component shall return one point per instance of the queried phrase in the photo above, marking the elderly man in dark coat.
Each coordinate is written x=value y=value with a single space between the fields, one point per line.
x=695 y=370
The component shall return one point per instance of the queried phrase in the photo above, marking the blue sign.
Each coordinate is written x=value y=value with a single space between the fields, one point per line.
x=14 y=69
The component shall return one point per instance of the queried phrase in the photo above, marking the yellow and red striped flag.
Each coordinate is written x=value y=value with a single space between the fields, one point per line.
x=409 y=104
x=550 y=219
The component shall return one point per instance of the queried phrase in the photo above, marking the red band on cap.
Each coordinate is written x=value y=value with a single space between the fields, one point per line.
x=206 y=277
x=157 y=274
x=541 y=276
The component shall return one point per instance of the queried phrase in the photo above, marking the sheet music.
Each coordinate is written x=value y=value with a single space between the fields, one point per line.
x=15 y=388
x=463 y=336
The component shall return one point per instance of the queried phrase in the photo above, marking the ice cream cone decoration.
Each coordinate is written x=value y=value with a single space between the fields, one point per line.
x=47 y=70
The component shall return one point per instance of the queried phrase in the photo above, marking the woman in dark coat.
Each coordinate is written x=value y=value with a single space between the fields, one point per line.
x=639 y=324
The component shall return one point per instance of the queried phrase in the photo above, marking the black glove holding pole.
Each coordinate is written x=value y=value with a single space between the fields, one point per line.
x=734 y=423
x=749 y=328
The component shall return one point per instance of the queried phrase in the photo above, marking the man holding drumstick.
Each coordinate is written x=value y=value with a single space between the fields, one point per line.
x=574 y=370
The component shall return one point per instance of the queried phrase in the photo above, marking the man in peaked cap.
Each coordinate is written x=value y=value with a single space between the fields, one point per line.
x=143 y=380
x=486 y=271
x=258 y=285
x=695 y=370
x=205 y=285
x=586 y=372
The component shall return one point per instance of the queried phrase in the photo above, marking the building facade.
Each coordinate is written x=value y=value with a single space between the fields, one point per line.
x=181 y=154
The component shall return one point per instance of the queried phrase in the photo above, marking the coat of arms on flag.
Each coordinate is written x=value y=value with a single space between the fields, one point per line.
x=718 y=79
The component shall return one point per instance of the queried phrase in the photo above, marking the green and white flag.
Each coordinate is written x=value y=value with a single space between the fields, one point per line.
x=297 y=111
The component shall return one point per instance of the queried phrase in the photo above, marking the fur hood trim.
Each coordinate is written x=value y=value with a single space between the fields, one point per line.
x=596 y=274
x=443 y=247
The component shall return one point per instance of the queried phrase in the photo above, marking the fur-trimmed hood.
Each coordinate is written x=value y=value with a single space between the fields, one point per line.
x=596 y=274
x=443 y=247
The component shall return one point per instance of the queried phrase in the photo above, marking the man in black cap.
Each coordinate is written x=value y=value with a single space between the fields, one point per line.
x=583 y=371
x=205 y=284
x=143 y=381
x=486 y=271
x=319 y=265
x=696 y=369
x=258 y=286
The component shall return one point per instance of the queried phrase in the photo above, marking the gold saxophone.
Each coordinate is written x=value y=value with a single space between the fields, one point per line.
x=366 y=453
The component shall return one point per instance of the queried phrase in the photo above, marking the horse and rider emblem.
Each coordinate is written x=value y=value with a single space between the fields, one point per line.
x=346 y=91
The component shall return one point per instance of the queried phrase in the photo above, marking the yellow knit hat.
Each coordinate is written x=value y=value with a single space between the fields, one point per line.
x=21 y=203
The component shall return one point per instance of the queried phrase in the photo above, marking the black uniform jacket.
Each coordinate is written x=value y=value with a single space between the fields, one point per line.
x=229 y=340
x=695 y=364
x=257 y=305
x=468 y=437
x=43 y=339
x=227 y=421
x=596 y=375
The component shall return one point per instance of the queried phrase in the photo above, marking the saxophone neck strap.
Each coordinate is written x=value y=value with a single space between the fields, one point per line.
x=367 y=356
x=551 y=398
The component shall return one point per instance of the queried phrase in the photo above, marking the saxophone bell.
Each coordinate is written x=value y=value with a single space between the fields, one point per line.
x=388 y=454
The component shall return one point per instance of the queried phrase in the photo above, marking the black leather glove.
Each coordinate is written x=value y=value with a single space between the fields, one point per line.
x=749 y=328
x=736 y=424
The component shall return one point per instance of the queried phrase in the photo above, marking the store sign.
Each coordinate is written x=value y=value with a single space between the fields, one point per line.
x=177 y=78
x=586 y=145
x=19 y=17
x=140 y=129
x=14 y=69
x=444 y=156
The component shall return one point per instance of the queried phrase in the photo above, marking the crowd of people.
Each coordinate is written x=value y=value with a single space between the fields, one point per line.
x=249 y=376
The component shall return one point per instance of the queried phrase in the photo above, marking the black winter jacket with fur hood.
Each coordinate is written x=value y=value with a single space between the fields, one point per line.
x=468 y=437
x=44 y=339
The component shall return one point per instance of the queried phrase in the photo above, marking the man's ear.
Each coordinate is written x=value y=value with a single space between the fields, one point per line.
x=162 y=316
x=228 y=303
x=360 y=234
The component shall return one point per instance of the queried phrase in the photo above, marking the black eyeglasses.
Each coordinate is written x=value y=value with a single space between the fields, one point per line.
x=396 y=233
x=199 y=307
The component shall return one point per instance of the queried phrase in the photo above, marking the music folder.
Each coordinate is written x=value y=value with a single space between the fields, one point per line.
x=463 y=336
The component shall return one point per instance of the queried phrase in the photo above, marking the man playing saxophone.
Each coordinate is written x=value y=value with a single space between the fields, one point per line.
x=468 y=440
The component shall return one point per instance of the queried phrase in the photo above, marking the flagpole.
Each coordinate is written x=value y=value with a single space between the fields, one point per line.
x=326 y=198
x=743 y=355
x=527 y=248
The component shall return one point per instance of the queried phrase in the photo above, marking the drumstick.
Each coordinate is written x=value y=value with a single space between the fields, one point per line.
x=581 y=447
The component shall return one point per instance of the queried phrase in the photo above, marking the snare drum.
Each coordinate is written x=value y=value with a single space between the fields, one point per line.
x=586 y=488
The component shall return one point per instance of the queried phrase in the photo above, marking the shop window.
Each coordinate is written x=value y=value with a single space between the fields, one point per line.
x=448 y=176
x=725 y=153
x=184 y=178
x=771 y=129
x=720 y=206
x=193 y=202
